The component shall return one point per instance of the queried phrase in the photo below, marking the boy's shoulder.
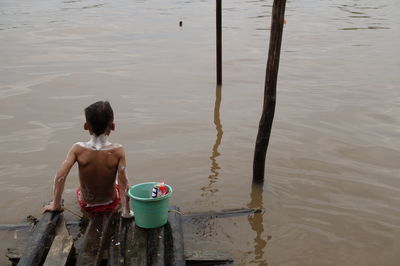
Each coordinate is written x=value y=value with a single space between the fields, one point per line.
x=87 y=145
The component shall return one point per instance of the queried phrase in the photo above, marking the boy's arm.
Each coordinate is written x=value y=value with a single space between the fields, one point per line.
x=123 y=185
x=59 y=181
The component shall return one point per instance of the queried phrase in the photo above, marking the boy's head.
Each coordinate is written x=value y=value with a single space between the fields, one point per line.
x=99 y=118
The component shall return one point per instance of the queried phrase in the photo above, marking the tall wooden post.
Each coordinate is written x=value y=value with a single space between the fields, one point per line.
x=264 y=129
x=219 y=40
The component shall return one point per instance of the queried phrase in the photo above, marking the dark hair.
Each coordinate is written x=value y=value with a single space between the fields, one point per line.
x=99 y=116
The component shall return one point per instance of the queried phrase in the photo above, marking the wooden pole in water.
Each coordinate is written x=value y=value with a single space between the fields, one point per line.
x=219 y=40
x=264 y=129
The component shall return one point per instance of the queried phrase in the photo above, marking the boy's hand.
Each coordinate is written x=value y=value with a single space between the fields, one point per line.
x=52 y=207
x=127 y=214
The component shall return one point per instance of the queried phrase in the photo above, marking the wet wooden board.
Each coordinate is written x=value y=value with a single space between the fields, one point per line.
x=118 y=241
x=156 y=247
x=220 y=214
x=175 y=251
x=40 y=240
x=115 y=255
x=12 y=227
x=95 y=240
x=61 y=247
x=136 y=245
x=207 y=257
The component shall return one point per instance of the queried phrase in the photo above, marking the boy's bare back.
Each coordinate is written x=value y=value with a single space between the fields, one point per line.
x=98 y=171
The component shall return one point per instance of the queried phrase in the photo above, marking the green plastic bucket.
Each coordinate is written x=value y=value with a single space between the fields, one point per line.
x=149 y=212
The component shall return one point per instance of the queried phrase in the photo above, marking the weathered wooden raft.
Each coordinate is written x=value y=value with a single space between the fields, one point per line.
x=109 y=239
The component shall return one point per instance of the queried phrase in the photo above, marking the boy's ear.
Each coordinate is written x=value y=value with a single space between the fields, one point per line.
x=86 y=126
x=112 y=126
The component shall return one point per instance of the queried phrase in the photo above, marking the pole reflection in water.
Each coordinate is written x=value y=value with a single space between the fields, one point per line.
x=213 y=177
x=256 y=222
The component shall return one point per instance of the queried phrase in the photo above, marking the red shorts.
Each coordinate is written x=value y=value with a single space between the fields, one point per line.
x=99 y=208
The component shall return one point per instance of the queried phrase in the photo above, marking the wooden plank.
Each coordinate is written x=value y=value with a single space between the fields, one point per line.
x=115 y=244
x=175 y=252
x=11 y=227
x=60 y=251
x=126 y=224
x=221 y=214
x=155 y=247
x=136 y=246
x=108 y=225
x=207 y=257
x=61 y=247
x=118 y=241
x=208 y=262
x=95 y=240
x=129 y=242
x=40 y=240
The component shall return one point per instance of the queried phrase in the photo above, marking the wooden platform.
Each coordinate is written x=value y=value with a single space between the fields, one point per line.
x=108 y=239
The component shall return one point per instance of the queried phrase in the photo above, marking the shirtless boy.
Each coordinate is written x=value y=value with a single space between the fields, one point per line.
x=100 y=164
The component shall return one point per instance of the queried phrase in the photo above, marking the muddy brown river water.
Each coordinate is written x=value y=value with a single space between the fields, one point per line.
x=332 y=189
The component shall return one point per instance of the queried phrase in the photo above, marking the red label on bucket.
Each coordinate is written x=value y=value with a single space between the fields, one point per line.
x=159 y=190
